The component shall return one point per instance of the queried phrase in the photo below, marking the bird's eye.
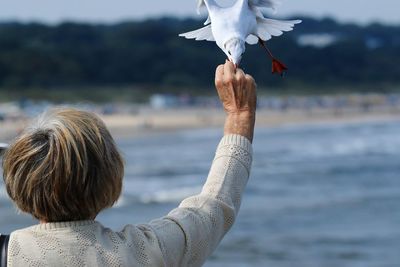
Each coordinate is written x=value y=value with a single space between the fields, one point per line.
x=229 y=52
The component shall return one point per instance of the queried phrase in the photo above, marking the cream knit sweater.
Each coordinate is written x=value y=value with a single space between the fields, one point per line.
x=185 y=237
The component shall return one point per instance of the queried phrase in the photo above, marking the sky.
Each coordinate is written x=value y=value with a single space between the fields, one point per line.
x=108 y=11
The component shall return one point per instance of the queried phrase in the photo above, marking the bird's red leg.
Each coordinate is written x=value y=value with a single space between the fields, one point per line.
x=277 y=66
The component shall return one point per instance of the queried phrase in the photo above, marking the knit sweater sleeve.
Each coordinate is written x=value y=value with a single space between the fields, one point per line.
x=190 y=233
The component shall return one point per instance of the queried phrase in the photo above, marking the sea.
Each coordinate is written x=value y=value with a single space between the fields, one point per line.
x=319 y=195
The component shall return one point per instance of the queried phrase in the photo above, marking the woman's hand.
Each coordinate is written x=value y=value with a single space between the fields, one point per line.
x=237 y=92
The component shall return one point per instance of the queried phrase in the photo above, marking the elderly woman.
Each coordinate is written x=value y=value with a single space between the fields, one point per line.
x=65 y=169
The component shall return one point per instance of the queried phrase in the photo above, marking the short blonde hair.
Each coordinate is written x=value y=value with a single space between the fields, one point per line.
x=65 y=167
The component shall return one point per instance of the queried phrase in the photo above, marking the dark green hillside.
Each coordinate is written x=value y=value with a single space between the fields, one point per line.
x=150 y=54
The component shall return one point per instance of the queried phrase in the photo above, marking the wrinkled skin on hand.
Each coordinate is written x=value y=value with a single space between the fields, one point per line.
x=237 y=92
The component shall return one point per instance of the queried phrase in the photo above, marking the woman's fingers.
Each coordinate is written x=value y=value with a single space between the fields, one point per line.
x=229 y=73
x=235 y=88
x=219 y=76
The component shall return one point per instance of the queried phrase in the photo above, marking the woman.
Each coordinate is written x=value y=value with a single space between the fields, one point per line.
x=66 y=168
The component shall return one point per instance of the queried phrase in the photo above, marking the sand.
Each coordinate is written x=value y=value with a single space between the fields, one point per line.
x=149 y=121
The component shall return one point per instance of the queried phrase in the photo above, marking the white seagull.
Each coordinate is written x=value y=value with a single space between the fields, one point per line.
x=231 y=27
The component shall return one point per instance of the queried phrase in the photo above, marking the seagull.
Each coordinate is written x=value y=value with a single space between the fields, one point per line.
x=243 y=22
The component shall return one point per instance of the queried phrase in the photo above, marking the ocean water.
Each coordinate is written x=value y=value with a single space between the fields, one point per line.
x=319 y=195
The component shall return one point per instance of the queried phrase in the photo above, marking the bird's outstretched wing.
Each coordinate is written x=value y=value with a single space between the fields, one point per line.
x=200 y=4
x=252 y=39
x=208 y=21
x=201 y=34
x=273 y=4
x=266 y=28
x=256 y=5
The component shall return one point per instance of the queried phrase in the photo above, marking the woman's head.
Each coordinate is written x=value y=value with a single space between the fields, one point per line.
x=64 y=167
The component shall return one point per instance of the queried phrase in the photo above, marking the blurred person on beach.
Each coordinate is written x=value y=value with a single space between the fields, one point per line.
x=65 y=169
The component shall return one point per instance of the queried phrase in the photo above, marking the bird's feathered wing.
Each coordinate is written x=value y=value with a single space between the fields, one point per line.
x=200 y=4
x=256 y=5
x=273 y=4
x=252 y=39
x=201 y=34
x=266 y=28
x=208 y=21
x=211 y=4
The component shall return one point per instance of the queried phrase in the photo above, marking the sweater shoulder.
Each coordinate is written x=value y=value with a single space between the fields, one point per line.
x=82 y=245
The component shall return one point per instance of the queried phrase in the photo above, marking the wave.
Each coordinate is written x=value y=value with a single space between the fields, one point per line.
x=309 y=200
x=330 y=146
x=161 y=196
x=327 y=141
x=170 y=196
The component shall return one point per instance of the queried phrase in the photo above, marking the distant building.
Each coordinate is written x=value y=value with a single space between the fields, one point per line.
x=9 y=110
x=161 y=101
x=318 y=40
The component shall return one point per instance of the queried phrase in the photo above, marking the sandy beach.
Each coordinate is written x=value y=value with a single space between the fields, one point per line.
x=150 y=121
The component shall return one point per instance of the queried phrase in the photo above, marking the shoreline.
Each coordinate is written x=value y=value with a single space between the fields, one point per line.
x=150 y=122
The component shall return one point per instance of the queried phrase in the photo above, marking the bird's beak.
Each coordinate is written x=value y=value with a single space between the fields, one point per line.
x=236 y=65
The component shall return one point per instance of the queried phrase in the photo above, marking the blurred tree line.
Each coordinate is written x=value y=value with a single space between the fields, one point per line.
x=150 y=53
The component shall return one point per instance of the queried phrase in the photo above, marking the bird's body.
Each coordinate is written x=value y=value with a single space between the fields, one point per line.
x=232 y=22
x=231 y=27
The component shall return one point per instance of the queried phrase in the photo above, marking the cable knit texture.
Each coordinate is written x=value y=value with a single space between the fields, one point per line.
x=185 y=237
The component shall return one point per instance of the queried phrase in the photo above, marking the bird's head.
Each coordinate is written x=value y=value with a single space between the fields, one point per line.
x=234 y=50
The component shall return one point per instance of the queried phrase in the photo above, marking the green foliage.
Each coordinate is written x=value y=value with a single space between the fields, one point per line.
x=150 y=54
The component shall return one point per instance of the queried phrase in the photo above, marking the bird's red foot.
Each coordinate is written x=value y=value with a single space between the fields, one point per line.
x=278 y=67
